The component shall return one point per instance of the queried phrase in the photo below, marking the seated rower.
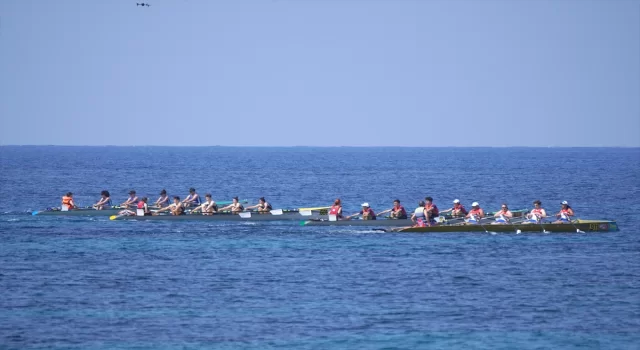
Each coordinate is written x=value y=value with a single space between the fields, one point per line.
x=366 y=212
x=457 y=211
x=67 y=202
x=235 y=206
x=475 y=214
x=192 y=200
x=565 y=214
x=142 y=205
x=503 y=216
x=177 y=208
x=418 y=215
x=163 y=200
x=263 y=206
x=131 y=201
x=208 y=207
x=336 y=209
x=537 y=213
x=397 y=212
x=104 y=202
x=431 y=211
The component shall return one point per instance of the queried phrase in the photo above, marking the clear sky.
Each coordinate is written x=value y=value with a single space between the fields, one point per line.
x=320 y=73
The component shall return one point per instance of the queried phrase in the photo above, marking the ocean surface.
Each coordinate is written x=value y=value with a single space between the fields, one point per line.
x=91 y=283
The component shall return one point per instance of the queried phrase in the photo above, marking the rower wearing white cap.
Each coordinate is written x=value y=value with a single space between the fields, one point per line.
x=565 y=214
x=366 y=212
x=537 y=213
x=475 y=214
x=458 y=210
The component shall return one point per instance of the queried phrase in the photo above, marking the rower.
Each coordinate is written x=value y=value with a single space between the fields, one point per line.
x=431 y=211
x=142 y=206
x=177 y=208
x=263 y=206
x=131 y=201
x=565 y=214
x=104 y=202
x=458 y=210
x=192 y=200
x=336 y=209
x=536 y=214
x=163 y=200
x=366 y=212
x=418 y=215
x=235 y=206
x=475 y=214
x=397 y=212
x=503 y=216
x=208 y=207
x=67 y=202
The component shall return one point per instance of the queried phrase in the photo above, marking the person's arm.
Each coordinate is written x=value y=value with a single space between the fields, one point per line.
x=446 y=211
x=481 y=214
x=201 y=206
x=508 y=214
x=386 y=211
x=226 y=208
x=252 y=207
x=165 y=208
x=543 y=213
x=497 y=214
x=354 y=215
x=570 y=212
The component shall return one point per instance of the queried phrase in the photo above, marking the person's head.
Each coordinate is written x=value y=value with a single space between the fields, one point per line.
x=428 y=200
x=421 y=204
x=475 y=205
x=105 y=193
x=505 y=207
x=69 y=194
x=537 y=203
x=456 y=203
x=235 y=200
x=132 y=193
x=565 y=204
x=144 y=199
x=337 y=201
x=192 y=190
x=163 y=192
x=396 y=203
x=365 y=205
x=207 y=196
x=176 y=199
x=262 y=200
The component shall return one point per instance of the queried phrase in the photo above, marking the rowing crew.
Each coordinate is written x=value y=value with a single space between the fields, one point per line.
x=208 y=207
x=105 y=202
x=428 y=214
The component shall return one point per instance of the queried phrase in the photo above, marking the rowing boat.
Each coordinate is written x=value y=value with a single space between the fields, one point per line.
x=584 y=225
x=89 y=211
x=275 y=215
x=404 y=226
x=386 y=221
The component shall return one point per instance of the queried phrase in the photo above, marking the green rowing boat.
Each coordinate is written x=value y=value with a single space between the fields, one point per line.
x=89 y=211
x=583 y=225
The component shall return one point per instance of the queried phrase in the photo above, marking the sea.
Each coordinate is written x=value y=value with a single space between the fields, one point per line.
x=92 y=283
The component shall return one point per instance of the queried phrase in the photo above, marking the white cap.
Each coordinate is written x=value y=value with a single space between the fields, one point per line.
x=365 y=204
x=456 y=201
x=565 y=202
x=475 y=204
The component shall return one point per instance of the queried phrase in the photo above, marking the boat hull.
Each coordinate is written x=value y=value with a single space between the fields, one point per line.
x=403 y=226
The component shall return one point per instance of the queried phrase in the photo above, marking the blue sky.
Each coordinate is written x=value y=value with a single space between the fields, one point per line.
x=320 y=73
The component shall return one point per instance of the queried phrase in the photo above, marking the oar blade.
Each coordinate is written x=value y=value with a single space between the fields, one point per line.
x=113 y=217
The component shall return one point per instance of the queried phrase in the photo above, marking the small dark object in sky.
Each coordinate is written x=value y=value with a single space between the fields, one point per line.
x=142 y=4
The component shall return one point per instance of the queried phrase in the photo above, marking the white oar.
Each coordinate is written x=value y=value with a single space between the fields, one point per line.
x=574 y=226
x=485 y=229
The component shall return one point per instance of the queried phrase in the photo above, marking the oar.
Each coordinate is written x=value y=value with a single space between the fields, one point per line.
x=574 y=226
x=484 y=228
x=541 y=225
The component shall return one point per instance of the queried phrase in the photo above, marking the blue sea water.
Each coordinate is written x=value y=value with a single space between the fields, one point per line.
x=91 y=283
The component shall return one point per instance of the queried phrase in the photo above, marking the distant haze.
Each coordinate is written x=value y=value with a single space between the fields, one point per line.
x=320 y=73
